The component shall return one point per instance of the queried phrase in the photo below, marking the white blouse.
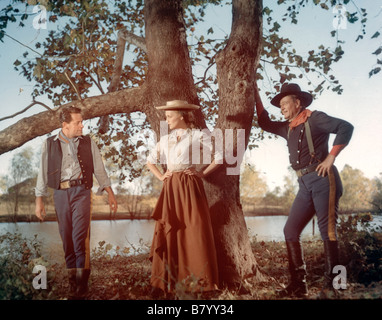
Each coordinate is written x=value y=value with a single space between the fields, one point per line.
x=183 y=149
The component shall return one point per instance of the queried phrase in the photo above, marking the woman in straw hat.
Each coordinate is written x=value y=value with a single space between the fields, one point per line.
x=183 y=248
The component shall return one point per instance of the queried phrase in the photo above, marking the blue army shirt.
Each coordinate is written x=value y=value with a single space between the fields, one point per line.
x=321 y=126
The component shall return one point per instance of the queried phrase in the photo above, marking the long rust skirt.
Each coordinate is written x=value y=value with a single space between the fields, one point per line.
x=183 y=248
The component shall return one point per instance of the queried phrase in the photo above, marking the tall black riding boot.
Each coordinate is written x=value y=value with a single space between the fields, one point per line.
x=331 y=260
x=82 y=282
x=72 y=277
x=297 y=286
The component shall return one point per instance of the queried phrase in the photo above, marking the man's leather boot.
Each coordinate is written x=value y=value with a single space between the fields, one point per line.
x=82 y=282
x=297 y=286
x=72 y=277
x=331 y=260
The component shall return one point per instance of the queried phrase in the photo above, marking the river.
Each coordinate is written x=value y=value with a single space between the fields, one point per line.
x=137 y=234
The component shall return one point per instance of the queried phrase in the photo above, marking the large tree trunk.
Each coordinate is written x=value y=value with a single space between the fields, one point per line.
x=236 y=71
x=169 y=74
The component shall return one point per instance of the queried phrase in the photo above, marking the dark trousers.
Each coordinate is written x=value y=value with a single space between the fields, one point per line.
x=316 y=195
x=73 y=215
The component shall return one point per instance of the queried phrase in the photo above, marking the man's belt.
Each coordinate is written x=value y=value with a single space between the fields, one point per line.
x=306 y=170
x=71 y=183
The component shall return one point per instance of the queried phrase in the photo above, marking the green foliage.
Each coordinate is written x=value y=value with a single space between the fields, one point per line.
x=18 y=256
x=20 y=181
x=256 y=197
x=252 y=185
x=358 y=190
x=376 y=199
x=361 y=248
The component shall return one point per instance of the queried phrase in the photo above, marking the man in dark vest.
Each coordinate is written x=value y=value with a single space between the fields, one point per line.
x=307 y=134
x=68 y=162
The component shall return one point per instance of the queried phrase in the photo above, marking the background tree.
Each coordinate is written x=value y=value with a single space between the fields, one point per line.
x=21 y=180
x=376 y=198
x=289 y=189
x=358 y=190
x=272 y=198
x=252 y=187
x=87 y=51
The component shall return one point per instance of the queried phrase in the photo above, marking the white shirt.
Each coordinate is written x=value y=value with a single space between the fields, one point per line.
x=183 y=149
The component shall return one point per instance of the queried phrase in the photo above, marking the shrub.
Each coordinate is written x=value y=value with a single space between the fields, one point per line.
x=361 y=248
x=18 y=256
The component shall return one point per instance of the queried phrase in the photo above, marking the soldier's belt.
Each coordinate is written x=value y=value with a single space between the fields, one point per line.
x=71 y=183
x=306 y=170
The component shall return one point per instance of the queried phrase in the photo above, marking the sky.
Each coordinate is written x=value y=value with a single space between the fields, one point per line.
x=360 y=103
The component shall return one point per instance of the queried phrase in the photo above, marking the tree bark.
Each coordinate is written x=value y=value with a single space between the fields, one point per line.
x=169 y=74
x=236 y=71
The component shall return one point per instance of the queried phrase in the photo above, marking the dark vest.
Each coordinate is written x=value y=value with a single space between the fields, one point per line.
x=84 y=155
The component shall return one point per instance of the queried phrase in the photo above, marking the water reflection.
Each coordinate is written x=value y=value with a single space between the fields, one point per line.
x=270 y=228
x=135 y=234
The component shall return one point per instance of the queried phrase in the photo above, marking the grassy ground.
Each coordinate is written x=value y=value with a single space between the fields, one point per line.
x=119 y=276
x=127 y=278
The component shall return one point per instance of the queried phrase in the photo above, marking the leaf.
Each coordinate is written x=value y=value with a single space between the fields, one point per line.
x=378 y=51
x=374 y=71
x=126 y=250
x=267 y=11
x=375 y=35
x=67 y=41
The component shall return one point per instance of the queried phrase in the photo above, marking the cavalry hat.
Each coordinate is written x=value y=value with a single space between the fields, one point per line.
x=292 y=89
x=178 y=105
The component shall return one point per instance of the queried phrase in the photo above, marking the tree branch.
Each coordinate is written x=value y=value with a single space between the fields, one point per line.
x=25 y=109
x=115 y=79
x=22 y=44
x=73 y=85
x=26 y=129
x=133 y=39
x=121 y=44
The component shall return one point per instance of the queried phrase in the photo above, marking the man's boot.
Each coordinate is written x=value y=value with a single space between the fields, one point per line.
x=82 y=282
x=331 y=260
x=72 y=277
x=297 y=286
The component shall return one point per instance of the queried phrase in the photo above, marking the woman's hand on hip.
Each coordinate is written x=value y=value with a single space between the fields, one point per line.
x=166 y=175
x=194 y=172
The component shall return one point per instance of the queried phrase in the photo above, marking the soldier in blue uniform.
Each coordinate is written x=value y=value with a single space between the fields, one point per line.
x=68 y=162
x=307 y=134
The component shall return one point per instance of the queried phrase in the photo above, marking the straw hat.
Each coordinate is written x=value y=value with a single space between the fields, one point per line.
x=178 y=105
